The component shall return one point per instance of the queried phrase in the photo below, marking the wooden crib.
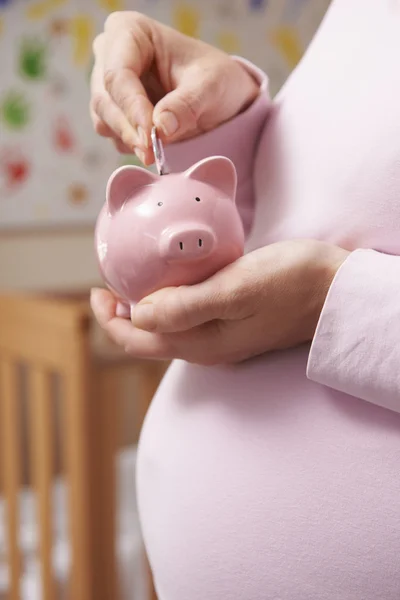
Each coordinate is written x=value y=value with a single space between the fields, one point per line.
x=52 y=337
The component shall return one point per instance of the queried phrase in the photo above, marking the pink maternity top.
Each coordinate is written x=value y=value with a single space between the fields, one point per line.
x=279 y=479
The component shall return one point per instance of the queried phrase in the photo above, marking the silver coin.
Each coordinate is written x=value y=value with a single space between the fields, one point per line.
x=159 y=155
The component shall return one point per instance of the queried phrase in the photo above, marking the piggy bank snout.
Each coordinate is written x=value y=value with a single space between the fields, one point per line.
x=187 y=242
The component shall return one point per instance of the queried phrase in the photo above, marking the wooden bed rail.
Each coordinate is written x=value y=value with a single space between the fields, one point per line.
x=51 y=336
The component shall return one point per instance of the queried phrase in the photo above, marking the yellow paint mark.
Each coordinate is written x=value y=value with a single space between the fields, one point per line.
x=229 y=42
x=77 y=194
x=82 y=32
x=186 y=19
x=286 y=40
x=40 y=9
x=111 y=5
x=59 y=27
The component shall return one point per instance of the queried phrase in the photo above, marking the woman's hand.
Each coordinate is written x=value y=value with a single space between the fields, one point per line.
x=269 y=299
x=146 y=73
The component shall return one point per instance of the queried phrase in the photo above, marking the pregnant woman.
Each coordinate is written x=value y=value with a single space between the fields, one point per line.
x=269 y=462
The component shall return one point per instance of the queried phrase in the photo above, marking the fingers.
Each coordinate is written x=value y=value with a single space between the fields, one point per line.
x=108 y=120
x=136 y=342
x=146 y=73
x=202 y=345
x=119 y=106
x=140 y=344
x=183 y=308
x=127 y=54
x=107 y=117
x=231 y=294
x=212 y=343
x=179 y=113
x=103 y=305
x=100 y=127
x=141 y=63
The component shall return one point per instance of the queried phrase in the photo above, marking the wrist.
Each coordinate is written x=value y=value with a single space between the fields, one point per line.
x=248 y=83
x=326 y=263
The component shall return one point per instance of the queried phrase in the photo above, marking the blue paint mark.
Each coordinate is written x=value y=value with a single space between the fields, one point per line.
x=257 y=4
x=5 y=2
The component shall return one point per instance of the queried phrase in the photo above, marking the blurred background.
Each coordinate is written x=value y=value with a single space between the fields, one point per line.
x=53 y=171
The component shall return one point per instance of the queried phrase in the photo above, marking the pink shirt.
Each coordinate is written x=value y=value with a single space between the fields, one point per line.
x=279 y=479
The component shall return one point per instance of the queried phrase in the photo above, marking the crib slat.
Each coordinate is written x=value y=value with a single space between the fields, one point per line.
x=41 y=426
x=11 y=466
x=103 y=417
x=76 y=455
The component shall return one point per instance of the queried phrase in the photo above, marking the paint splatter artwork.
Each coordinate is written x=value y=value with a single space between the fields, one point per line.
x=53 y=167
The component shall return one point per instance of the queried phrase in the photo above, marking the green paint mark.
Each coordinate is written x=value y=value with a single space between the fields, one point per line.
x=32 y=58
x=130 y=159
x=15 y=110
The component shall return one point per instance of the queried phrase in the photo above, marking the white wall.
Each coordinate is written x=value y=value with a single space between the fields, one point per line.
x=44 y=260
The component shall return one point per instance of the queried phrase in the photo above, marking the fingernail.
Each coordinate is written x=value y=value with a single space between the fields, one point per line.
x=143 y=317
x=143 y=137
x=168 y=122
x=140 y=154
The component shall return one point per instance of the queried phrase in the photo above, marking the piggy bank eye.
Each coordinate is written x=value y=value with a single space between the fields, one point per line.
x=197 y=199
x=159 y=203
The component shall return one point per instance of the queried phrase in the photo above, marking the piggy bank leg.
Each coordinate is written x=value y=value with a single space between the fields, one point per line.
x=123 y=310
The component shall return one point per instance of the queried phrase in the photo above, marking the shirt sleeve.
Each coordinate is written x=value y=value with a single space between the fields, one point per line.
x=356 y=347
x=236 y=139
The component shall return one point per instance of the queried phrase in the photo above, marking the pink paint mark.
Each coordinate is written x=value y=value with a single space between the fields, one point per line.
x=15 y=168
x=17 y=172
x=64 y=139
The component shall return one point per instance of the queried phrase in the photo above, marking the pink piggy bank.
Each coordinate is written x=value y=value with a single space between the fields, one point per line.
x=158 y=231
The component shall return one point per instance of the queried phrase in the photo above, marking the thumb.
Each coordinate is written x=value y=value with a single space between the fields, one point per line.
x=179 y=309
x=178 y=113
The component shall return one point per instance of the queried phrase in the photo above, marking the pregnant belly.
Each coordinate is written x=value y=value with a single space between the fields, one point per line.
x=256 y=484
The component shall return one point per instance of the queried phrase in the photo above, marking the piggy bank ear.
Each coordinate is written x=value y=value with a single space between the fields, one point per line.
x=217 y=171
x=124 y=183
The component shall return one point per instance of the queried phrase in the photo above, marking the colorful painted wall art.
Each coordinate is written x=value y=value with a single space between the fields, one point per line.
x=53 y=167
